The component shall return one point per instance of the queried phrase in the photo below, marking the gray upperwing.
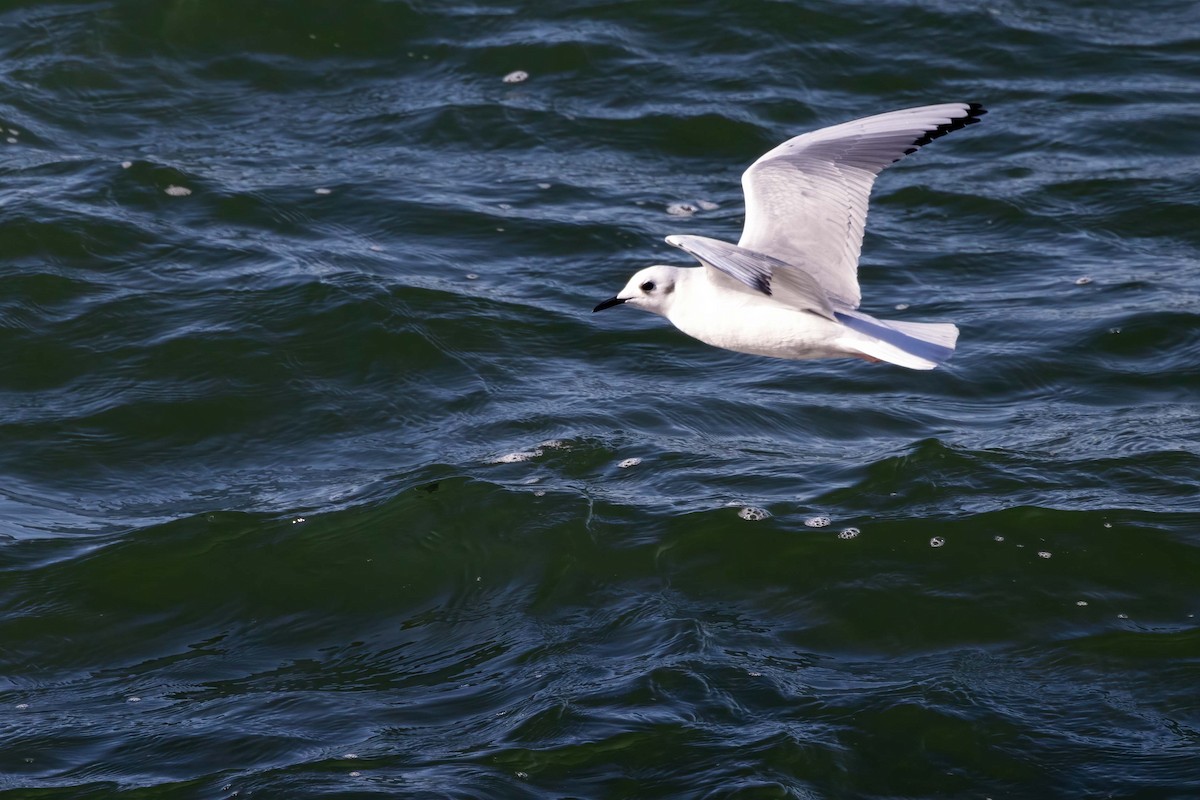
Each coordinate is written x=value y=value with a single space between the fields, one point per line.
x=806 y=200
x=784 y=283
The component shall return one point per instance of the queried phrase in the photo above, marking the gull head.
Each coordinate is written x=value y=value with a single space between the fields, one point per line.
x=652 y=289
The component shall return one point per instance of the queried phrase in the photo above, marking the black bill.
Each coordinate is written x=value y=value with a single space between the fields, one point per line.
x=609 y=303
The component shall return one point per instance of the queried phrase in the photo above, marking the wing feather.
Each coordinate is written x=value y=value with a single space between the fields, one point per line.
x=785 y=283
x=806 y=200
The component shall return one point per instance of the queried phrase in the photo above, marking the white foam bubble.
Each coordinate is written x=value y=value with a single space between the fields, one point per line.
x=1081 y=602
x=1043 y=553
x=901 y=306
x=1083 y=280
x=629 y=462
x=11 y=140
x=707 y=205
x=516 y=76
x=323 y=190
x=937 y=541
x=177 y=191
x=849 y=533
x=543 y=186
x=998 y=538
x=681 y=209
x=818 y=522
x=517 y=457
x=126 y=164
x=22 y=706
x=754 y=513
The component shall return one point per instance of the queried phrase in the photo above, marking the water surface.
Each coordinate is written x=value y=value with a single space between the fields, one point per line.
x=318 y=476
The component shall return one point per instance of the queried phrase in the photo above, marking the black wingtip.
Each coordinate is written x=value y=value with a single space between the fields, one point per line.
x=974 y=112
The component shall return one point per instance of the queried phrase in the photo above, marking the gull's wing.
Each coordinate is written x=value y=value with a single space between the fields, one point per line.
x=762 y=273
x=806 y=200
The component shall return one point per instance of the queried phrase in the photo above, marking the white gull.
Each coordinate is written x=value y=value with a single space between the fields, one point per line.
x=789 y=287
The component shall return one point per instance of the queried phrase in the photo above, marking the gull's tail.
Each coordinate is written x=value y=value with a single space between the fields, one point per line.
x=916 y=345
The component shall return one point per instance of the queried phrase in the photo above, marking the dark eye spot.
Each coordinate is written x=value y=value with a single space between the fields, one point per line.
x=648 y=286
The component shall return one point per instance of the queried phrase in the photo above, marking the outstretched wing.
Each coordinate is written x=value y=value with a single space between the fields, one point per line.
x=806 y=200
x=763 y=274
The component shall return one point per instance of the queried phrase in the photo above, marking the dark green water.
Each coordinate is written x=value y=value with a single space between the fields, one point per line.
x=262 y=531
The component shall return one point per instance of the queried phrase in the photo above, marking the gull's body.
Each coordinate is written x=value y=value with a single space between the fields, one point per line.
x=789 y=287
x=748 y=323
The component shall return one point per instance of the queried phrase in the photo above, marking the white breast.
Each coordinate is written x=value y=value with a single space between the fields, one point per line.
x=752 y=323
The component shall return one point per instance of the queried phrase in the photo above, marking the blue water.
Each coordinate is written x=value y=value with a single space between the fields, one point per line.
x=319 y=478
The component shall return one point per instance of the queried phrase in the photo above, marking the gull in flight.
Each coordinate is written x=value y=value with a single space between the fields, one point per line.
x=789 y=287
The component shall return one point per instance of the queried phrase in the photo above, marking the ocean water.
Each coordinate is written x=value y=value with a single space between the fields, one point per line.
x=319 y=478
